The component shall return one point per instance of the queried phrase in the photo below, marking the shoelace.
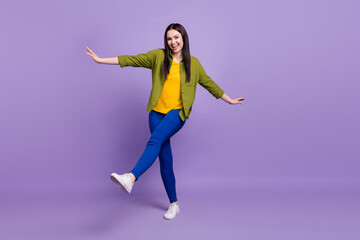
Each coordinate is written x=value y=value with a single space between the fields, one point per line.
x=172 y=208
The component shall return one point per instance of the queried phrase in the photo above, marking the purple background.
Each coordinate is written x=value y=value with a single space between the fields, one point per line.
x=284 y=165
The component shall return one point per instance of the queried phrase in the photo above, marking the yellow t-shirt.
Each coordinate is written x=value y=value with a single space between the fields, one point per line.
x=170 y=97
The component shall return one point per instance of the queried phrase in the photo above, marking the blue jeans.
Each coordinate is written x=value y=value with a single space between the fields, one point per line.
x=162 y=127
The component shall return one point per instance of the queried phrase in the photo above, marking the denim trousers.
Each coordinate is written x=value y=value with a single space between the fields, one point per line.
x=162 y=127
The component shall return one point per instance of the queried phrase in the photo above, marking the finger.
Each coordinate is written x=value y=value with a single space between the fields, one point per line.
x=90 y=53
x=89 y=50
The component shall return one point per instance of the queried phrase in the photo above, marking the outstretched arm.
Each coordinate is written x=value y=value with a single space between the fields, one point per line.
x=214 y=89
x=229 y=100
x=97 y=59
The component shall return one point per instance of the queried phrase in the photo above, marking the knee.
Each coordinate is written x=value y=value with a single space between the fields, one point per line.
x=156 y=139
x=153 y=141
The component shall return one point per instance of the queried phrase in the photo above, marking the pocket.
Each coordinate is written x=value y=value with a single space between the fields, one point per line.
x=189 y=91
x=190 y=84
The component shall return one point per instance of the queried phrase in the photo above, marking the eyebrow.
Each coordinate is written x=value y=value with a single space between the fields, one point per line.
x=174 y=36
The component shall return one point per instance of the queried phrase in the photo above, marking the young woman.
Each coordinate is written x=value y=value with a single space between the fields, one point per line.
x=175 y=74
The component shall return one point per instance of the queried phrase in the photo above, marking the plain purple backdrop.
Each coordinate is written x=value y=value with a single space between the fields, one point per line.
x=66 y=122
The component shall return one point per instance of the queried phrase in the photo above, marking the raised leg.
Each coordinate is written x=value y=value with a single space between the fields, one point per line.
x=168 y=125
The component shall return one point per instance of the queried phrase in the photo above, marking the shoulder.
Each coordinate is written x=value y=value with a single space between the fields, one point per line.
x=157 y=52
x=194 y=58
x=195 y=61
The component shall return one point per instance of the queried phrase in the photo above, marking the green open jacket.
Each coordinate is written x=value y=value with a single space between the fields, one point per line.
x=154 y=60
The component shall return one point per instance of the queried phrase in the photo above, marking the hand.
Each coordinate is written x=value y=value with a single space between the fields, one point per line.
x=93 y=55
x=237 y=100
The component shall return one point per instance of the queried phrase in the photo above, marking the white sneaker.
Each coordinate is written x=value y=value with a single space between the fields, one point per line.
x=172 y=211
x=124 y=181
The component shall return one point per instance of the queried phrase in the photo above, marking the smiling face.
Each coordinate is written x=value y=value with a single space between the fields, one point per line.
x=175 y=41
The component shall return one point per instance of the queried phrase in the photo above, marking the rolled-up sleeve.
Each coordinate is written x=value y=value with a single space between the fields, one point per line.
x=206 y=82
x=144 y=60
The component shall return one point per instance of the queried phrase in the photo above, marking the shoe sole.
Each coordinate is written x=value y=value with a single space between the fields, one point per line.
x=115 y=180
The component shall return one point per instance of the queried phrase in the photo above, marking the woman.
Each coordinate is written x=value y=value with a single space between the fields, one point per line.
x=175 y=74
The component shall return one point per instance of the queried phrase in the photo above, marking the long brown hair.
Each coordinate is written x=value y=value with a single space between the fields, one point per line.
x=185 y=50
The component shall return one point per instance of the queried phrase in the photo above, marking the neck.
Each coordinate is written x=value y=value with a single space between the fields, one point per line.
x=177 y=56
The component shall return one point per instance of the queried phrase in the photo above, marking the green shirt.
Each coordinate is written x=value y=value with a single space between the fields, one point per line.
x=154 y=60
